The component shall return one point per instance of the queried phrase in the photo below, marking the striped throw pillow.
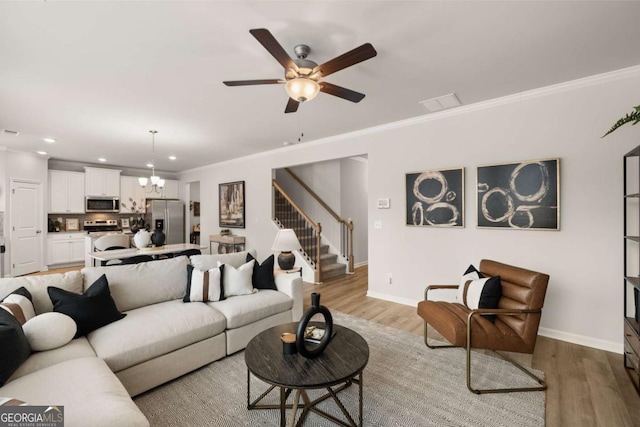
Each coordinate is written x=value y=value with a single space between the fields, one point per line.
x=19 y=304
x=203 y=286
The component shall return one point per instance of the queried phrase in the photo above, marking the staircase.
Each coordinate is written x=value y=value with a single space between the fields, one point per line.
x=287 y=216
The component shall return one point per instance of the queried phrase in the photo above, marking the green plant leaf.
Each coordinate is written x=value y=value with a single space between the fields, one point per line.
x=633 y=117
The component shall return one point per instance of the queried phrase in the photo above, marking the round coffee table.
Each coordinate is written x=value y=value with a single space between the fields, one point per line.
x=340 y=363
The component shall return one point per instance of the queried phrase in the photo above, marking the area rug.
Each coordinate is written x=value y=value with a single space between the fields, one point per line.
x=405 y=384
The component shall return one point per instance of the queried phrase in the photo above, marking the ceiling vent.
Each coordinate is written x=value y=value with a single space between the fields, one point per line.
x=441 y=103
x=9 y=132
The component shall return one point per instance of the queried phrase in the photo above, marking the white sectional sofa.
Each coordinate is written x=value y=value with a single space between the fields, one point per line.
x=161 y=337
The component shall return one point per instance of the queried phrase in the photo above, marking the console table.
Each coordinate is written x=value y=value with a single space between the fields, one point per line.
x=226 y=244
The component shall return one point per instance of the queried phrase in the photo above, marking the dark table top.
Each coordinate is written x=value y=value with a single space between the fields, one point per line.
x=345 y=357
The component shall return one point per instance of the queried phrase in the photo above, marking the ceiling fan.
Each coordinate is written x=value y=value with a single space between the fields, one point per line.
x=302 y=76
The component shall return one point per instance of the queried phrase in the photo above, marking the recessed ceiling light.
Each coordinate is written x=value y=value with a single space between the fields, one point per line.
x=102 y=159
x=149 y=165
x=43 y=153
x=172 y=157
x=49 y=140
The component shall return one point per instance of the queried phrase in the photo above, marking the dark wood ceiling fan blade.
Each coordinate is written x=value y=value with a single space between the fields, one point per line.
x=355 y=56
x=270 y=43
x=292 y=106
x=341 y=92
x=253 y=82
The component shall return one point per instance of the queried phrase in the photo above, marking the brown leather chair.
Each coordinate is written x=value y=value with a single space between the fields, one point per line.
x=516 y=324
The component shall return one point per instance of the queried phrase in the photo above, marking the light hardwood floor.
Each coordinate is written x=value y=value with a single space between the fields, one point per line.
x=587 y=387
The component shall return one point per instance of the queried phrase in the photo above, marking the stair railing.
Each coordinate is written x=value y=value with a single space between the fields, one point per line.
x=287 y=214
x=346 y=225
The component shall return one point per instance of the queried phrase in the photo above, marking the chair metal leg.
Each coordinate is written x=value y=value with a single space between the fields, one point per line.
x=543 y=384
x=426 y=339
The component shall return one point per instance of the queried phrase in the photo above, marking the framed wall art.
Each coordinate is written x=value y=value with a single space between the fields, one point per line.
x=231 y=204
x=521 y=195
x=435 y=198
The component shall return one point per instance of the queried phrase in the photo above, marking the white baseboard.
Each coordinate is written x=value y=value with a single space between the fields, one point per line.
x=584 y=340
x=605 y=345
x=360 y=264
x=392 y=298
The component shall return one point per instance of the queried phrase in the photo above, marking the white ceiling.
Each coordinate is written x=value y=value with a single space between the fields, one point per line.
x=98 y=75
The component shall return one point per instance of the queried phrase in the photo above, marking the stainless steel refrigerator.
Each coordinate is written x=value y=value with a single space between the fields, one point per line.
x=167 y=215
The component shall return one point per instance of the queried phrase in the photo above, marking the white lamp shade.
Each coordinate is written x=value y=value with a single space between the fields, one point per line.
x=286 y=241
x=155 y=179
x=160 y=183
x=302 y=89
x=143 y=181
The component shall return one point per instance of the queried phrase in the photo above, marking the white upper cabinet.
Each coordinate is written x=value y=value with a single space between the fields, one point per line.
x=66 y=192
x=131 y=191
x=102 y=182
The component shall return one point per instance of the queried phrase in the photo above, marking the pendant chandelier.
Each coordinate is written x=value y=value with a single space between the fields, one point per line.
x=156 y=181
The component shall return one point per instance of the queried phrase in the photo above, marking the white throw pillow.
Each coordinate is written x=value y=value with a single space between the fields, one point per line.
x=461 y=289
x=237 y=281
x=50 y=330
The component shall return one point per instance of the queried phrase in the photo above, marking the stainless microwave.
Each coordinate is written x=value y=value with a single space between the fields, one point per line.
x=102 y=204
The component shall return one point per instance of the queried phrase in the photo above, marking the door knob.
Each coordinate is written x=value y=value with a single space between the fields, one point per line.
x=38 y=231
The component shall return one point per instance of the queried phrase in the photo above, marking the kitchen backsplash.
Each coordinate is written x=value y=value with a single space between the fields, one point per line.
x=91 y=216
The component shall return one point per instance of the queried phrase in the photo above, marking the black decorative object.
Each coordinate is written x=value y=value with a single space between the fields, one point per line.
x=286 y=260
x=316 y=308
x=158 y=237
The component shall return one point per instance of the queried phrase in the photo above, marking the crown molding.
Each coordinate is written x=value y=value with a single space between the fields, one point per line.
x=570 y=85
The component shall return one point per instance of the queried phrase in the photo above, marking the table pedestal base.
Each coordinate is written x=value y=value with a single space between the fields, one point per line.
x=307 y=405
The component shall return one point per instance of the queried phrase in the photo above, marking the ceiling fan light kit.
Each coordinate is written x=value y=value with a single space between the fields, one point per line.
x=302 y=89
x=302 y=76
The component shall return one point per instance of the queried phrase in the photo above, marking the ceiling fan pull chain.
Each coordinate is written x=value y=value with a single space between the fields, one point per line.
x=300 y=127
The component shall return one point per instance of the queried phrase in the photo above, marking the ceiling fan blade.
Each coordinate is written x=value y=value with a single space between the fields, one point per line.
x=253 y=82
x=359 y=54
x=269 y=42
x=292 y=106
x=341 y=92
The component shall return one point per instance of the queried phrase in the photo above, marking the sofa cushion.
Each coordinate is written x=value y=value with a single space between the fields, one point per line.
x=154 y=330
x=37 y=286
x=14 y=347
x=207 y=262
x=139 y=285
x=20 y=304
x=263 y=273
x=90 y=393
x=244 y=309
x=91 y=310
x=47 y=331
x=76 y=349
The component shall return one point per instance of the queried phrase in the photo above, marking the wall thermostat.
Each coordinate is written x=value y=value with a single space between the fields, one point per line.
x=384 y=203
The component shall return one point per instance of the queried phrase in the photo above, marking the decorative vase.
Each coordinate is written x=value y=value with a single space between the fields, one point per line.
x=316 y=308
x=142 y=239
x=158 y=237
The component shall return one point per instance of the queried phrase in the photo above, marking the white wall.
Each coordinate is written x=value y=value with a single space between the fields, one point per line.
x=584 y=259
x=354 y=193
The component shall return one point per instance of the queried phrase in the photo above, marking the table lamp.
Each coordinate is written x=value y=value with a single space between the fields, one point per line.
x=286 y=241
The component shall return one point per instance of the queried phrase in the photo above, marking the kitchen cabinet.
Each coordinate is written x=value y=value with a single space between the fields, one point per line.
x=66 y=192
x=102 y=182
x=65 y=248
x=131 y=191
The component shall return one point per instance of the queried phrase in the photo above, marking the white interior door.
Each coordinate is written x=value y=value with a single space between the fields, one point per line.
x=26 y=227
